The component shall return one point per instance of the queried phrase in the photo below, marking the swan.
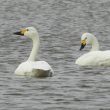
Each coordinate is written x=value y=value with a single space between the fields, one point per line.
x=32 y=67
x=95 y=57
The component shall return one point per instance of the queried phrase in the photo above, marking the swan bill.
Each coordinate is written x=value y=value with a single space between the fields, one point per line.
x=18 y=33
x=83 y=43
x=82 y=46
x=21 y=32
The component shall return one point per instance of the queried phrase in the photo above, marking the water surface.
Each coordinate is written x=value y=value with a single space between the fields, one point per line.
x=60 y=24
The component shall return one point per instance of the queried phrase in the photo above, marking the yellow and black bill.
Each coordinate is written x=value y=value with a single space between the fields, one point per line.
x=18 y=33
x=83 y=44
x=21 y=32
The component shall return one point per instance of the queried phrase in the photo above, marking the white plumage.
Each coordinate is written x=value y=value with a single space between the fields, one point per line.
x=32 y=67
x=95 y=57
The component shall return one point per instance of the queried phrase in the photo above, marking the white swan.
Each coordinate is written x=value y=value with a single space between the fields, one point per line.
x=94 y=57
x=32 y=67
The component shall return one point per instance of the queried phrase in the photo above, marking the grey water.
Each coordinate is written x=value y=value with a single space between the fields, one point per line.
x=60 y=24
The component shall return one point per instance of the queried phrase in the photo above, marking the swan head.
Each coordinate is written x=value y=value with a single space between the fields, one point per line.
x=86 y=38
x=29 y=32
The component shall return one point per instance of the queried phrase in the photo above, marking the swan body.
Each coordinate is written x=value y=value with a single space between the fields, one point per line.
x=95 y=57
x=32 y=67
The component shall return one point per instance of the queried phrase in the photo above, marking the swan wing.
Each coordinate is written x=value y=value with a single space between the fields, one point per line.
x=41 y=69
x=41 y=65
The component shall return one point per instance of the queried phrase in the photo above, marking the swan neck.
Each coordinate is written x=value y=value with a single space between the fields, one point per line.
x=35 y=48
x=95 y=44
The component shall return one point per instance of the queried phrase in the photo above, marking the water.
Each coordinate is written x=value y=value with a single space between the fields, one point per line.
x=60 y=24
